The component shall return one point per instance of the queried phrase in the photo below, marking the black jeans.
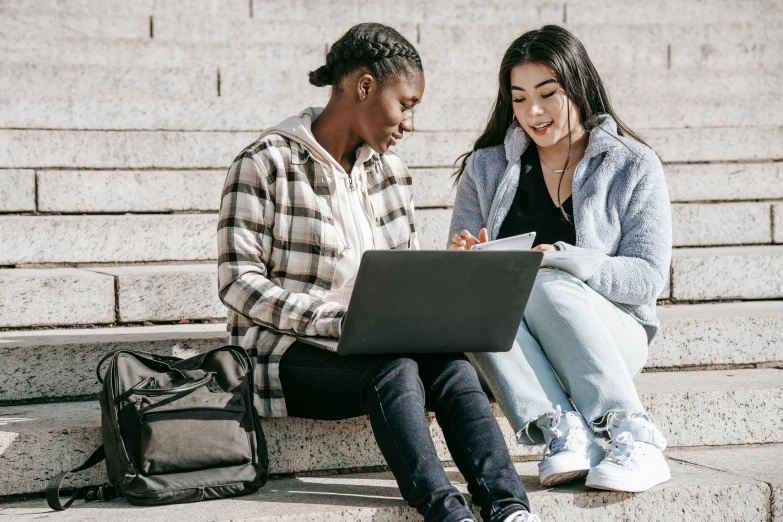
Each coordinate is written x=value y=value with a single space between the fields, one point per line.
x=394 y=391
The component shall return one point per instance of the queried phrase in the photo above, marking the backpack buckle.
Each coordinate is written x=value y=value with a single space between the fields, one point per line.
x=103 y=493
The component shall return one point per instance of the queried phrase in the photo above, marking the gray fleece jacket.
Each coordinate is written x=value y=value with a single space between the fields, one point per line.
x=621 y=209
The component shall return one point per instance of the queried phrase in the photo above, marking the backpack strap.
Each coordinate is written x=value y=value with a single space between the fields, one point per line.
x=88 y=493
x=166 y=360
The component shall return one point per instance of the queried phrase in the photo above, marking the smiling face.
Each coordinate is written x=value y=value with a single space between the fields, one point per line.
x=541 y=106
x=386 y=112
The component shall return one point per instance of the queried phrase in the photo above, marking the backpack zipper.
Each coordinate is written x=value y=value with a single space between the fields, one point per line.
x=185 y=387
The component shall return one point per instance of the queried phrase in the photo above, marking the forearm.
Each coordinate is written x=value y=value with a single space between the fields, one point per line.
x=624 y=279
x=254 y=296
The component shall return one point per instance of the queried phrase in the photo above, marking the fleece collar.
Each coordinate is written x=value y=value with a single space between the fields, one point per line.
x=517 y=140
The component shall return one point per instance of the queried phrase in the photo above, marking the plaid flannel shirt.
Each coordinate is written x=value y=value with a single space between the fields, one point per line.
x=278 y=247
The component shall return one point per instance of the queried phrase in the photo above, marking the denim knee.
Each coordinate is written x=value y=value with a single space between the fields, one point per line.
x=398 y=373
x=552 y=291
x=457 y=378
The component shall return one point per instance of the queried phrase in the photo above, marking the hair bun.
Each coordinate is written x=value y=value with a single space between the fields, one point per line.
x=322 y=76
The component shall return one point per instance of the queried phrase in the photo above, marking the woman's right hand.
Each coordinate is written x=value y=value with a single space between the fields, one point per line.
x=465 y=240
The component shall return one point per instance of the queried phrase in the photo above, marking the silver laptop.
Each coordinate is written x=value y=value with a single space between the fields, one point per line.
x=409 y=301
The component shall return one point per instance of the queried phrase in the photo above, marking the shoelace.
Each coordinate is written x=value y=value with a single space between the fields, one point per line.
x=623 y=449
x=648 y=433
x=558 y=442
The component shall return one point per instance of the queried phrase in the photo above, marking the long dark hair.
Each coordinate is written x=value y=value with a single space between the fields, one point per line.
x=559 y=49
x=381 y=49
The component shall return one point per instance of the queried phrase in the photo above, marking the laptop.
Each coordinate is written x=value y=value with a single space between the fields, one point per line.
x=420 y=301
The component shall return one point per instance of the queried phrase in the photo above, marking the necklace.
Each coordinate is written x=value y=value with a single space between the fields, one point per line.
x=560 y=171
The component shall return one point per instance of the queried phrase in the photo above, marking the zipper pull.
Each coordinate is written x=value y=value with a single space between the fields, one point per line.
x=350 y=183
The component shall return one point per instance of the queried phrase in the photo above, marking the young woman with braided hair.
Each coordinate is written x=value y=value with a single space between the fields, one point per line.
x=300 y=206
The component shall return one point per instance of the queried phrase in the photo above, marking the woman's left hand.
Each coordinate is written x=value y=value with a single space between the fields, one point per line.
x=546 y=248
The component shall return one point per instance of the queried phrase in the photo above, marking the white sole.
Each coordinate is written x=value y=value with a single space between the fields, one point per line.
x=562 y=478
x=629 y=485
x=562 y=470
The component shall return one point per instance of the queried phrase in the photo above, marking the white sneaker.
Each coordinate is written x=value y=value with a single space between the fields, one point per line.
x=522 y=516
x=635 y=462
x=572 y=447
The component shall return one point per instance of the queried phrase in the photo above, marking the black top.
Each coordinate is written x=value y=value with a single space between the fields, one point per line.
x=533 y=209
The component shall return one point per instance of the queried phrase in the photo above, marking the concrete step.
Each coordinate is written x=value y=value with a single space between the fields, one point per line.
x=154 y=292
x=710 y=484
x=234 y=9
x=88 y=80
x=166 y=292
x=191 y=113
x=191 y=237
x=112 y=191
x=660 y=46
x=43 y=149
x=50 y=364
x=627 y=46
x=469 y=82
x=116 y=191
x=657 y=49
x=638 y=113
x=196 y=27
x=250 y=111
x=433 y=39
x=346 y=11
x=122 y=149
x=744 y=272
x=28 y=26
x=718 y=334
x=725 y=182
x=685 y=13
x=707 y=224
x=107 y=238
x=40 y=440
x=694 y=224
x=100 y=295
x=61 y=363
x=523 y=13
x=17 y=190
x=153 y=53
x=441 y=149
x=55 y=296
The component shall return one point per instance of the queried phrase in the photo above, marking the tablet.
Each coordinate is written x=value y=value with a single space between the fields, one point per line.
x=520 y=242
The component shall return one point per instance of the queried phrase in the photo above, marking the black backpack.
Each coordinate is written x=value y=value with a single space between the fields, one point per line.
x=175 y=430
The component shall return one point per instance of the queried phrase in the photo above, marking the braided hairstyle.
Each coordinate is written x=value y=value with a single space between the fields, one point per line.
x=379 y=48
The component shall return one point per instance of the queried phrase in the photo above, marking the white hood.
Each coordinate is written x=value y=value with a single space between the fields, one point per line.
x=353 y=212
x=299 y=128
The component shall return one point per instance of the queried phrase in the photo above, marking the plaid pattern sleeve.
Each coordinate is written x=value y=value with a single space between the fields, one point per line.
x=414 y=241
x=278 y=247
x=245 y=241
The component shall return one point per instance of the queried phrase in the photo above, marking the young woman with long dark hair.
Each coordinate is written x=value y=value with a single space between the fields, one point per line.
x=300 y=206
x=555 y=159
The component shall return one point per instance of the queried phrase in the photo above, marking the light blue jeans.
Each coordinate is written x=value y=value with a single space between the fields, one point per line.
x=572 y=335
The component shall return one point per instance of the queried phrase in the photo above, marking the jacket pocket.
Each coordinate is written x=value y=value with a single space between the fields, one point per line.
x=190 y=427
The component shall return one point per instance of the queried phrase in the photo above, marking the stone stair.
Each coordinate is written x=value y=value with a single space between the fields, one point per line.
x=119 y=119
x=707 y=485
